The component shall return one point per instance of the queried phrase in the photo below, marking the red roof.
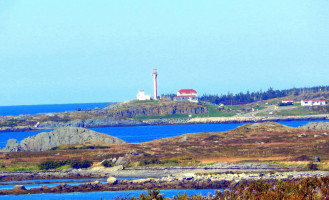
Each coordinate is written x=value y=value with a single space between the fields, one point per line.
x=187 y=96
x=186 y=91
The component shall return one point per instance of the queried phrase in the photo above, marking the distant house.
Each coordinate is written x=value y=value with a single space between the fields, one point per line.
x=187 y=95
x=287 y=101
x=141 y=96
x=313 y=102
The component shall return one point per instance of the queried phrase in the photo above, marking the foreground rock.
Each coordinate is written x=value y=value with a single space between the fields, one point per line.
x=317 y=125
x=61 y=136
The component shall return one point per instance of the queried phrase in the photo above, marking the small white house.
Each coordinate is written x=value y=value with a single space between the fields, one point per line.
x=287 y=101
x=313 y=102
x=141 y=96
x=187 y=95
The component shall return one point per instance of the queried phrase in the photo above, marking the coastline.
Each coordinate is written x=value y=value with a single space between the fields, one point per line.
x=96 y=123
x=222 y=175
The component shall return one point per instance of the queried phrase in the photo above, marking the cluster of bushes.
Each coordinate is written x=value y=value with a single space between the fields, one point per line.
x=76 y=164
x=312 y=166
x=286 y=104
x=82 y=147
x=155 y=161
x=89 y=147
x=108 y=163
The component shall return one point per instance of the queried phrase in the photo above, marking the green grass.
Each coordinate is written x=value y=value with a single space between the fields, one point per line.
x=234 y=107
x=299 y=111
x=213 y=112
x=175 y=116
x=19 y=169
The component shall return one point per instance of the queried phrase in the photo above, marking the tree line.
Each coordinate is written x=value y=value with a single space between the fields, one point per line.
x=250 y=97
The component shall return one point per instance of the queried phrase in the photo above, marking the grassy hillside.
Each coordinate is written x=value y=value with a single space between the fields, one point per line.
x=253 y=142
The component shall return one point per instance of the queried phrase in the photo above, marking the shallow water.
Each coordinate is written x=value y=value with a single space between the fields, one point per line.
x=103 y=195
x=52 y=182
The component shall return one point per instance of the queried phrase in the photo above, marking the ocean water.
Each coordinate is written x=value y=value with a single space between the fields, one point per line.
x=138 y=134
x=104 y=195
x=34 y=109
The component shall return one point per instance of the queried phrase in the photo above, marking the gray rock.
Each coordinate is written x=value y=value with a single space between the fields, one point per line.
x=116 y=168
x=70 y=135
x=317 y=125
x=111 y=180
x=122 y=161
x=19 y=188
x=184 y=138
x=12 y=146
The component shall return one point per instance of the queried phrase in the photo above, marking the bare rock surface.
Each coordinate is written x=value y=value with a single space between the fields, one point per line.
x=317 y=125
x=61 y=136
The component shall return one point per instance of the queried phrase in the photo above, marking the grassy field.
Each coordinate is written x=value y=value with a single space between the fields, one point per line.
x=299 y=111
x=176 y=116
x=265 y=142
x=213 y=112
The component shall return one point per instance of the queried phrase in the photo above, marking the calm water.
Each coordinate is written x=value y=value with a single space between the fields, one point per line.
x=34 y=109
x=137 y=134
x=51 y=182
x=103 y=195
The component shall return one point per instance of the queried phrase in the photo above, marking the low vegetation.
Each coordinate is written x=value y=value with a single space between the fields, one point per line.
x=308 y=188
x=76 y=164
x=108 y=163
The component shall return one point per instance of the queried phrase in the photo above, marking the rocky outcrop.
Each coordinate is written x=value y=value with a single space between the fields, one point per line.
x=12 y=146
x=136 y=108
x=94 y=122
x=317 y=125
x=61 y=136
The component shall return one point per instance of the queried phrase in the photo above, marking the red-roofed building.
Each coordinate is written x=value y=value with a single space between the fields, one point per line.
x=187 y=95
x=313 y=102
x=287 y=101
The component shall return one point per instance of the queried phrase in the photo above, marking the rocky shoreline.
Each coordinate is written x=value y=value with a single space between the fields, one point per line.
x=111 y=122
x=220 y=175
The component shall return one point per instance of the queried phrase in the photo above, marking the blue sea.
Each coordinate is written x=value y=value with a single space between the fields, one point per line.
x=105 y=195
x=34 y=109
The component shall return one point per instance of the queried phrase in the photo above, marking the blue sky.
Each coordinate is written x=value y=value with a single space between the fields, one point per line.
x=104 y=51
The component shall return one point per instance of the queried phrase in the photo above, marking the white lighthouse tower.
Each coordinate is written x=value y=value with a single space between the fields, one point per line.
x=155 y=89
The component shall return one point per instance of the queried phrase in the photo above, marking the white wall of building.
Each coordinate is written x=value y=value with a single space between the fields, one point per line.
x=314 y=102
x=141 y=96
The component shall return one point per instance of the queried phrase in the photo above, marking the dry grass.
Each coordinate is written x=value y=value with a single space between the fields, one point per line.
x=261 y=142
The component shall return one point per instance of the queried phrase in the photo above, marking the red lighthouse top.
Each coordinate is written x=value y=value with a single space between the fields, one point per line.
x=154 y=71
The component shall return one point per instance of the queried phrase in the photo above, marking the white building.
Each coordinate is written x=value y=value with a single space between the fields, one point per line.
x=287 y=101
x=313 y=102
x=187 y=95
x=141 y=96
